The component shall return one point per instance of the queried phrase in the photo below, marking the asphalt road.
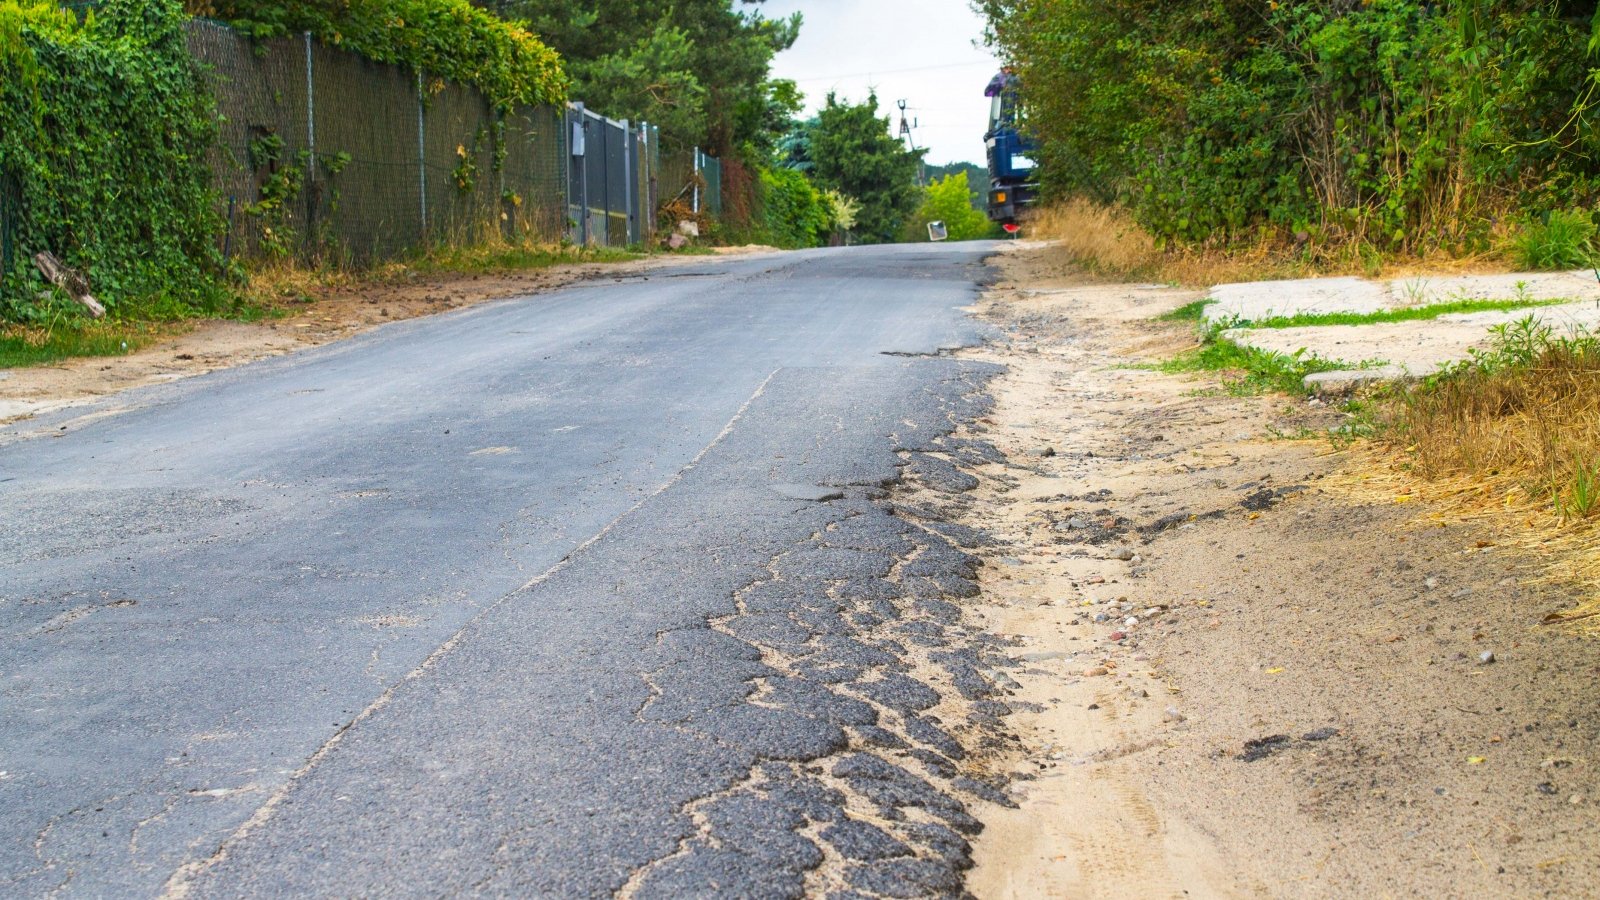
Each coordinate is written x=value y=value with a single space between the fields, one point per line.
x=510 y=601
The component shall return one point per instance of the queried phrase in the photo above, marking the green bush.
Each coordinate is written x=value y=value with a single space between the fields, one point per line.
x=795 y=213
x=1559 y=240
x=1389 y=124
x=449 y=39
x=949 y=200
x=104 y=128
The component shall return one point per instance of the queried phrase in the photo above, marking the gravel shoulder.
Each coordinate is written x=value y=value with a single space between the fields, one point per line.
x=1236 y=678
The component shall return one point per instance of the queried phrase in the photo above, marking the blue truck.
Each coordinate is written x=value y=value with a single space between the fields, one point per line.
x=1011 y=166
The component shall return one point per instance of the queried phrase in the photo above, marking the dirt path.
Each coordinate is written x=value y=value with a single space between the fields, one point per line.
x=1238 y=680
x=315 y=317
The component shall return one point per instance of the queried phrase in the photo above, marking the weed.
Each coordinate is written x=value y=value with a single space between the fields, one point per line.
x=1189 y=312
x=1300 y=433
x=1401 y=314
x=1582 y=496
x=1561 y=239
x=1252 y=371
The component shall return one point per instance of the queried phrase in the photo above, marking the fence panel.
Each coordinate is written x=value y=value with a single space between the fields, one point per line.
x=261 y=92
x=532 y=192
x=711 y=171
x=675 y=180
x=365 y=190
x=616 y=181
x=458 y=153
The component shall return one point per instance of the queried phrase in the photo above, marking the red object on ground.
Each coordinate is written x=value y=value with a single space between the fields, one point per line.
x=1011 y=227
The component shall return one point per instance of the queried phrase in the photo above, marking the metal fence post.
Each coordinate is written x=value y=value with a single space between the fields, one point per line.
x=311 y=142
x=696 y=180
x=564 y=147
x=627 y=181
x=653 y=186
x=605 y=169
x=422 y=163
x=580 y=151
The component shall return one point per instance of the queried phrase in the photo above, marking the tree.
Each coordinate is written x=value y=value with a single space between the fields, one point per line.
x=949 y=200
x=697 y=68
x=851 y=151
x=977 y=179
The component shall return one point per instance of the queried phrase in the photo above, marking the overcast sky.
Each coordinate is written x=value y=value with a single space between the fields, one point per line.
x=927 y=52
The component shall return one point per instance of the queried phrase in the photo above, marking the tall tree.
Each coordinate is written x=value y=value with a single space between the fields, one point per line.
x=697 y=68
x=852 y=151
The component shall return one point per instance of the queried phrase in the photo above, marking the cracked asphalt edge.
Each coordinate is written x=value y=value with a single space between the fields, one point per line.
x=860 y=629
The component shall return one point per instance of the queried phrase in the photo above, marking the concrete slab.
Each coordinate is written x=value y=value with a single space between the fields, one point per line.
x=1413 y=348
x=1256 y=301
x=1346 y=380
x=1425 y=290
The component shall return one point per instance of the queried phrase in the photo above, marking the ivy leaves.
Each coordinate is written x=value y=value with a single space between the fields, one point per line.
x=104 y=129
x=446 y=38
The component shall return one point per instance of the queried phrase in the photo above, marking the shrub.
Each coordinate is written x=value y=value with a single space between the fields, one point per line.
x=949 y=200
x=794 y=211
x=1560 y=240
x=104 y=127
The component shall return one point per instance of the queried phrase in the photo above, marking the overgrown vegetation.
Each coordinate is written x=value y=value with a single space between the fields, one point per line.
x=697 y=68
x=450 y=39
x=949 y=199
x=103 y=131
x=1523 y=415
x=1331 y=131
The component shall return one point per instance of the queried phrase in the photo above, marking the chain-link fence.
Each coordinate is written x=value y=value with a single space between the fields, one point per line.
x=324 y=155
x=324 y=152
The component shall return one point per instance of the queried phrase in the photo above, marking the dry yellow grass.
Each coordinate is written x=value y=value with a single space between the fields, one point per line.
x=1511 y=444
x=1105 y=240
x=1559 y=550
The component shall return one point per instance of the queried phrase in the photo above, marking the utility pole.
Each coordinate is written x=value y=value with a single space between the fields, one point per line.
x=911 y=143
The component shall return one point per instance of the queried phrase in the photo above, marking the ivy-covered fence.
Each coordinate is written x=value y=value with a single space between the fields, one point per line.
x=102 y=126
x=150 y=151
x=322 y=152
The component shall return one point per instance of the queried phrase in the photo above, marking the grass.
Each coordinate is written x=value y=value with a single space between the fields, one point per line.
x=274 y=290
x=1105 y=240
x=1189 y=312
x=1250 y=371
x=41 y=345
x=1524 y=414
x=1405 y=314
x=1560 y=239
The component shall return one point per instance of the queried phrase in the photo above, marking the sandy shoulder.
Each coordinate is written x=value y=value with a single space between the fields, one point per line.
x=1234 y=680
